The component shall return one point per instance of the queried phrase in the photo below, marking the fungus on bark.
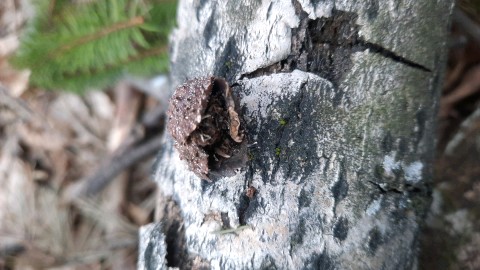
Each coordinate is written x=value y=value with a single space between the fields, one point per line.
x=204 y=123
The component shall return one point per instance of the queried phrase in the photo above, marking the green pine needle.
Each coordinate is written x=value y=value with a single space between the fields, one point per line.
x=80 y=46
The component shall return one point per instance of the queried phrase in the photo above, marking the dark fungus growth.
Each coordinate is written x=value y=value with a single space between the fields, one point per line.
x=204 y=124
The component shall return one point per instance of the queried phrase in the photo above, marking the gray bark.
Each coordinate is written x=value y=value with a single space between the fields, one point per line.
x=338 y=99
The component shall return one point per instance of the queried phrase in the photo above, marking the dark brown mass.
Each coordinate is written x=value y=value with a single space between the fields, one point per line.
x=204 y=124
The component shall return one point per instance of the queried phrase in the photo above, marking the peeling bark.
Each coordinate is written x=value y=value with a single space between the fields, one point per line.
x=338 y=100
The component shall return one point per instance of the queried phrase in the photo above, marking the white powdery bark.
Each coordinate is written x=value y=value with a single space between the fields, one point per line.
x=339 y=159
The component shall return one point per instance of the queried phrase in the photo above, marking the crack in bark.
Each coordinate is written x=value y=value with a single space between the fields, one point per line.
x=174 y=231
x=247 y=205
x=375 y=48
x=324 y=47
x=383 y=187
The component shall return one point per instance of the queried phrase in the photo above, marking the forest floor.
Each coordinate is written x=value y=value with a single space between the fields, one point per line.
x=451 y=237
x=75 y=170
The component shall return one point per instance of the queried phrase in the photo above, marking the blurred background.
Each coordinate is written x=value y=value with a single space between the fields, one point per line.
x=83 y=93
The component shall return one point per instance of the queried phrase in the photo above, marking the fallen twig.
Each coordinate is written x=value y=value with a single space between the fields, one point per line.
x=119 y=162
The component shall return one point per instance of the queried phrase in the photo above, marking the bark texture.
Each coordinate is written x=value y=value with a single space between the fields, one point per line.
x=338 y=100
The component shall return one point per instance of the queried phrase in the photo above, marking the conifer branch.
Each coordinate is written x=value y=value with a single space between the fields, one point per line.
x=138 y=57
x=77 y=46
x=133 y=22
x=148 y=53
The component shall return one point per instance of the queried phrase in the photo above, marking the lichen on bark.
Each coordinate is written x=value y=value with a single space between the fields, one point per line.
x=332 y=182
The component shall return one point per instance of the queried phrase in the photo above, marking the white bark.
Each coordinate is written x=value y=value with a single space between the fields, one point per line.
x=341 y=132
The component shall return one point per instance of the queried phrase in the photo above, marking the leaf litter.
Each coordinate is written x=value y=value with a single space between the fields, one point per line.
x=54 y=148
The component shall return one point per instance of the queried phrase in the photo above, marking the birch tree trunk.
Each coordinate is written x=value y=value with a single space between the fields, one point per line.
x=338 y=100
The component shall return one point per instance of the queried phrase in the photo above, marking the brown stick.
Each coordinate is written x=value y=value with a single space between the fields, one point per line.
x=119 y=162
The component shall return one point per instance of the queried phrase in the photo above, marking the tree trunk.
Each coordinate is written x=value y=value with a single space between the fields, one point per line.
x=338 y=100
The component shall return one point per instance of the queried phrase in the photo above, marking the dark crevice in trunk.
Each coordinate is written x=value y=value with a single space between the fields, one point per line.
x=324 y=47
x=174 y=231
x=375 y=48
